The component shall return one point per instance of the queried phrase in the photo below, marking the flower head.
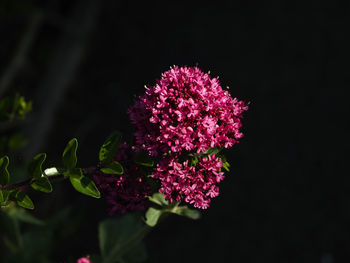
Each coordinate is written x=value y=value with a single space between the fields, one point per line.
x=186 y=110
x=186 y=113
x=194 y=184
x=126 y=192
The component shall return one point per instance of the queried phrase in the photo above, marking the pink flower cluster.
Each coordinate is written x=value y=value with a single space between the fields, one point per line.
x=126 y=192
x=197 y=184
x=186 y=110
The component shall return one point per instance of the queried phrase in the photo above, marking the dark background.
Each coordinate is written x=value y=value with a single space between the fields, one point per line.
x=287 y=196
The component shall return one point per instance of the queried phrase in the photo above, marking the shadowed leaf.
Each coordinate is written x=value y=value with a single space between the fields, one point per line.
x=35 y=165
x=69 y=156
x=42 y=184
x=110 y=148
x=4 y=174
x=21 y=199
x=113 y=168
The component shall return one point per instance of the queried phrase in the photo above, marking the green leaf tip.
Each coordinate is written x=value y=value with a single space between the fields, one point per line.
x=4 y=196
x=42 y=184
x=69 y=156
x=212 y=150
x=158 y=198
x=83 y=184
x=143 y=159
x=35 y=165
x=4 y=174
x=225 y=163
x=152 y=216
x=113 y=168
x=109 y=148
x=187 y=212
x=21 y=199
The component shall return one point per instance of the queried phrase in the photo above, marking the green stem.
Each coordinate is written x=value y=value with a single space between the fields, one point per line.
x=18 y=233
x=52 y=173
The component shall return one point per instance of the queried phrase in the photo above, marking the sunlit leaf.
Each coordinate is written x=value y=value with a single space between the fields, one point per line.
x=83 y=184
x=212 y=151
x=152 y=216
x=225 y=164
x=187 y=212
x=158 y=198
x=194 y=160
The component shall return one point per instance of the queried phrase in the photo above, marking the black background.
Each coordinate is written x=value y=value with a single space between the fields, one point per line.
x=287 y=197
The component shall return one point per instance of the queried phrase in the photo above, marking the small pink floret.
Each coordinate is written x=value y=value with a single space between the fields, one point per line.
x=83 y=260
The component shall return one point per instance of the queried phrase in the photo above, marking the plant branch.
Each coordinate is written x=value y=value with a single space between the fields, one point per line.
x=86 y=171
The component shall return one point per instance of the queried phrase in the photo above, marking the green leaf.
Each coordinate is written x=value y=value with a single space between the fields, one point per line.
x=225 y=164
x=4 y=196
x=109 y=148
x=143 y=159
x=187 y=212
x=113 y=168
x=23 y=107
x=42 y=184
x=194 y=160
x=116 y=236
x=152 y=216
x=158 y=198
x=212 y=151
x=69 y=156
x=35 y=165
x=21 y=199
x=83 y=184
x=4 y=174
x=3 y=204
